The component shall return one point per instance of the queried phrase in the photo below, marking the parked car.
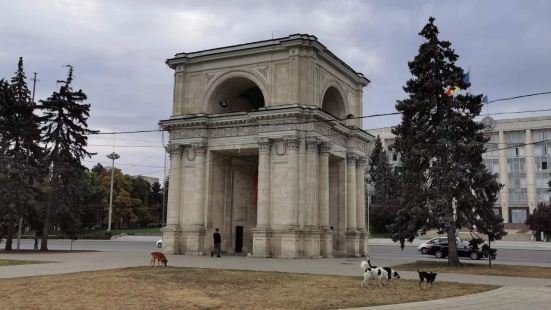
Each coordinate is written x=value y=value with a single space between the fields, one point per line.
x=441 y=250
x=159 y=243
x=425 y=246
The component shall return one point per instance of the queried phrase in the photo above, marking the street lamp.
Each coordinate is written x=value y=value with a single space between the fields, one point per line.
x=111 y=156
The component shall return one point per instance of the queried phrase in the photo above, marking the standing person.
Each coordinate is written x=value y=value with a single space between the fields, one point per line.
x=36 y=240
x=217 y=240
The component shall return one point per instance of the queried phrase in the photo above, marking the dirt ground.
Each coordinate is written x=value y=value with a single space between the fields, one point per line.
x=188 y=288
x=480 y=269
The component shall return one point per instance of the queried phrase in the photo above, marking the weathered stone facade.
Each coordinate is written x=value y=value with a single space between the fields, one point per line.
x=266 y=146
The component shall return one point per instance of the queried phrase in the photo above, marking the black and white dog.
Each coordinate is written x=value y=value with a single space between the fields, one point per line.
x=392 y=274
x=372 y=273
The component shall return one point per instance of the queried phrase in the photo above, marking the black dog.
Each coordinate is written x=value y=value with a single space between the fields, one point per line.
x=428 y=276
x=392 y=274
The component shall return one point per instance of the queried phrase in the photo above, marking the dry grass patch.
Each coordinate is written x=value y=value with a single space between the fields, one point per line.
x=480 y=269
x=187 y=288
x=10 y=262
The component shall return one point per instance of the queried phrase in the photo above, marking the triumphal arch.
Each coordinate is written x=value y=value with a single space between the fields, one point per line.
x=266 y=145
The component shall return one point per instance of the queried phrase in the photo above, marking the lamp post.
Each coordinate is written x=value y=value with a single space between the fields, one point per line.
x=111 y=156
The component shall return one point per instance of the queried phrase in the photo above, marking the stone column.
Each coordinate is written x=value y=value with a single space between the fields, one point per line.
x=360 y=205
x=312 y=230
x=193 y=231
x=503 y=177
x=171 y=232
x=288 y=236
x=530 y=172
x=352 y=235
x=292 y=145
x=326 y=242
x=261 y=232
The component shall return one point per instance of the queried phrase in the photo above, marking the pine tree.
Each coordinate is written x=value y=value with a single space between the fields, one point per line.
x=381 y=175
x=20 y=135
x=445 y=185
x=65 y=129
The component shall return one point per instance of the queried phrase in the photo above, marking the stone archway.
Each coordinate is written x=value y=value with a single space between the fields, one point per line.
x=333 y=102
x=236 y=93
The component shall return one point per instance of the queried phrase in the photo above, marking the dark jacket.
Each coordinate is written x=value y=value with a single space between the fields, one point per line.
x=217 y=237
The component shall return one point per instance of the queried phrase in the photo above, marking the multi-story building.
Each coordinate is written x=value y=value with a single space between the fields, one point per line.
x=519 y=152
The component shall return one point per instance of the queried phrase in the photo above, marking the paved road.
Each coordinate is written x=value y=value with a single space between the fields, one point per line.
x=386 y=252
x=505 y=256
x=94 y=245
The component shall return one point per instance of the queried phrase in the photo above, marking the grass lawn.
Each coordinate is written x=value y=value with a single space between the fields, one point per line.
x=10 y=262
x=481 y=269
x=190 y=288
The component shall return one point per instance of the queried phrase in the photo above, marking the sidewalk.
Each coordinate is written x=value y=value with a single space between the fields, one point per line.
x=513 y=245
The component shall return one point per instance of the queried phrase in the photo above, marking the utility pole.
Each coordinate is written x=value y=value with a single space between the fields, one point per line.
x=111 y=156
x=164 y=183
x=34 y=84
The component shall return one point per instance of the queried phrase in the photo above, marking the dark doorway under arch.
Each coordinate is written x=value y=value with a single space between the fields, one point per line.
x=237 y=94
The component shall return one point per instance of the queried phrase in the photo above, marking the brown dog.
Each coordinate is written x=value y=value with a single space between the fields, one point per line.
x=159 y=258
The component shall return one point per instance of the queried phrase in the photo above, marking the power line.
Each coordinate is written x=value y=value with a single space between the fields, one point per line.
x=294 y=123
x=521 y=96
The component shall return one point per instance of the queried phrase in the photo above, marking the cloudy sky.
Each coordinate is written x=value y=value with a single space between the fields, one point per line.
x=118 y=49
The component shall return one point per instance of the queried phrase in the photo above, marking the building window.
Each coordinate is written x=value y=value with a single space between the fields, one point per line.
x=394 y=156
x=516 y=151
x=518 y=215
x=543 y=165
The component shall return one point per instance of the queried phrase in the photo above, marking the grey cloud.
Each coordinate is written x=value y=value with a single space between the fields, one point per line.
x=118 y=49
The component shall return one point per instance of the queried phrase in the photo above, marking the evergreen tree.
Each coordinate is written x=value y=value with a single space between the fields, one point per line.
x=445 y=185
x=156 y=201
x=381 y=175
x=65 y=129
x=20 y=136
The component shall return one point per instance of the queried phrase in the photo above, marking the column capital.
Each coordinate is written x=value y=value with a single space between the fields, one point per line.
x=312 y=145
x=292 y=143
x=351 y=158
x=264 y=145
x=325 y=147
x=361 y=160
x=173 y=148
x=199 y=148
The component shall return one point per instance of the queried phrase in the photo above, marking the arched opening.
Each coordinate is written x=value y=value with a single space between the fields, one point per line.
x=333 y=103
x=236 y=94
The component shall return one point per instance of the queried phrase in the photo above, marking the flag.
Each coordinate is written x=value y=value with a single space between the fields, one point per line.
x=452 y=90
x=485 y=99
x=467 y=78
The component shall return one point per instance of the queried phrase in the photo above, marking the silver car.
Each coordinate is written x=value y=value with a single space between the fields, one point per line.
x=425 y=246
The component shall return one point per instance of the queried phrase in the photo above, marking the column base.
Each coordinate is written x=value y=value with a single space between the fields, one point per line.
x=311 y=243
x=364 y=250
x=352 y=243
x=261 y=242
x=326 y=242
x=286 y=242
x=192 y=240
x=171 y=239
